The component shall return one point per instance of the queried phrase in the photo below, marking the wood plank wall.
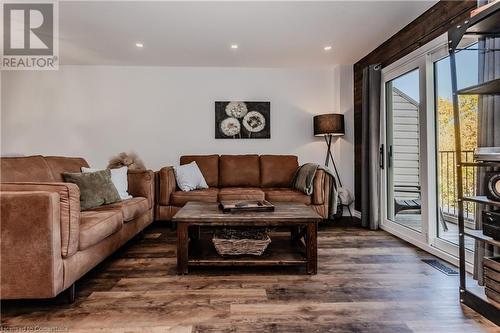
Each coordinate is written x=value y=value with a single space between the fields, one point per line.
x=431 y=24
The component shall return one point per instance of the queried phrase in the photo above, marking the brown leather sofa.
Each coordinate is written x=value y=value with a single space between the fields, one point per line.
x=240 y=177
x=47 y=243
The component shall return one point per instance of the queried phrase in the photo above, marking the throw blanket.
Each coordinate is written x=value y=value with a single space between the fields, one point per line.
x=304 y=180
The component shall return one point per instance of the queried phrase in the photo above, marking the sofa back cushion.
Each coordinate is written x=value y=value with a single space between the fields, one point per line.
x=208 y=164
x=239 y=170
x=277 y=170
x=60 y=164
x=25 y=169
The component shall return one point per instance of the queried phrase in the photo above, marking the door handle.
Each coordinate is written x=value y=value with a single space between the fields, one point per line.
x=381 y=157
x=389 y=156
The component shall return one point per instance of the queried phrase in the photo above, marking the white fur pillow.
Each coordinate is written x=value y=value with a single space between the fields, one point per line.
x=189 y=177
x=119 y=179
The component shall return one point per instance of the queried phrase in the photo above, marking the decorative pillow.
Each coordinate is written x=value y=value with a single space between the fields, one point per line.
x=189 y=177
x=96 y=188
x=119 y=179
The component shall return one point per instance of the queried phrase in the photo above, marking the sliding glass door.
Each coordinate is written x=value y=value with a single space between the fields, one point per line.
x=446 y=228
x=418 y=179
x=402 y=176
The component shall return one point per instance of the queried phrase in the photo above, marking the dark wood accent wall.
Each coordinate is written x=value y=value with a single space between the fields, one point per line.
x=431 y=24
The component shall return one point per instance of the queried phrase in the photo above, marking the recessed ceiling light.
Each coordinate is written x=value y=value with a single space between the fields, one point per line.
x=139 y=45
x=234 y=46
x=327 y=48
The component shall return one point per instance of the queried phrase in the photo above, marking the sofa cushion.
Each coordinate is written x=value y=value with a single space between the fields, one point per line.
x=180 y=198
x=95 y=226
x=241 y=193
x=239 y=170
x=130 y=208
x=60 y=164
x=96 y=188
x=208 y=164
x=286 y=195
x=277 y=170
x=25 y=169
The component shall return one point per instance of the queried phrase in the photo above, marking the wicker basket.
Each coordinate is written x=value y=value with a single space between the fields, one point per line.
x=233 y=242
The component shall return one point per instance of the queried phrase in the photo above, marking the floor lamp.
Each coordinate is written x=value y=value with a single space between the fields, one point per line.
x=328 y=126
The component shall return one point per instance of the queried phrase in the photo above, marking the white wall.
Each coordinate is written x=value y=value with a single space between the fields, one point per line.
x=343 y=151
x=164 y=112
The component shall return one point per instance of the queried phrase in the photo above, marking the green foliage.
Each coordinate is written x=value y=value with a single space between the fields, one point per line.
x=468 y=123
x=468 y=105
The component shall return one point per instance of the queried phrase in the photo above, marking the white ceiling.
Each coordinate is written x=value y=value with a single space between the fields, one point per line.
x=269 y=34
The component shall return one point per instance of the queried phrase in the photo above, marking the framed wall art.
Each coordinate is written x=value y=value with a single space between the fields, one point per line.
x=242 y=120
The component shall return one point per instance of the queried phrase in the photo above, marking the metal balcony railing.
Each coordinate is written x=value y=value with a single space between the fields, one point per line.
x=447 y=182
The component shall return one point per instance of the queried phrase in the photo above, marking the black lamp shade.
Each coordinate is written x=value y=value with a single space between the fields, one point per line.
x=329 y=124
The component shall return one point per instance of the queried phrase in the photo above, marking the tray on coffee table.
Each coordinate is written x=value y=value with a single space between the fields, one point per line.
x=246 y=206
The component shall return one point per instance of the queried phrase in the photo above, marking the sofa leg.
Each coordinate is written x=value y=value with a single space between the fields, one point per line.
x=71 y=293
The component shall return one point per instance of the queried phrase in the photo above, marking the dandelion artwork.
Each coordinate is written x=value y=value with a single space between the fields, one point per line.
x=230 y=127
x=242 y=120
x=236 y=109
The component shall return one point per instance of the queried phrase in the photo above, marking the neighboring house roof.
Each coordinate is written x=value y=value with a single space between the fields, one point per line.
x=405 y=96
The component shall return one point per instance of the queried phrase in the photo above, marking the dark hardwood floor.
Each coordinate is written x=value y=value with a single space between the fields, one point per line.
x=367 y=281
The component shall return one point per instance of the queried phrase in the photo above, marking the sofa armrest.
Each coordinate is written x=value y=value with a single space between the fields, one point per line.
x=321 y=188
x=69 y=210
x=30 y=244
x=141 y=184
x=166 y=185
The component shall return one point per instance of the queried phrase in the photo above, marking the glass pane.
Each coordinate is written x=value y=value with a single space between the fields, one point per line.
x=403 y=150
x=467 y=61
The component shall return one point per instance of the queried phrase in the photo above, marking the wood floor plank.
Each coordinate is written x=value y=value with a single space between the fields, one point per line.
x=141 y=329
x=368 y=281
x=251 y=327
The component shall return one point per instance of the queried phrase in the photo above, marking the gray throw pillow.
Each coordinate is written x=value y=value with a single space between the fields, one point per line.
x=96 y=188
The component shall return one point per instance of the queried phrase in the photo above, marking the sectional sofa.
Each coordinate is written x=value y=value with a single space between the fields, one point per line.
x=46 y=242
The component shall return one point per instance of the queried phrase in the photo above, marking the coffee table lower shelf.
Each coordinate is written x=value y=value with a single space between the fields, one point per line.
x=280 y=252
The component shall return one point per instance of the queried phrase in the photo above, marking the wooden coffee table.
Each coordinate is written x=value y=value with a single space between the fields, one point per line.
x=298 y=247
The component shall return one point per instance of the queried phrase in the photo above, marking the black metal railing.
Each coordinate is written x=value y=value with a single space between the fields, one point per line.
x=447 y=182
